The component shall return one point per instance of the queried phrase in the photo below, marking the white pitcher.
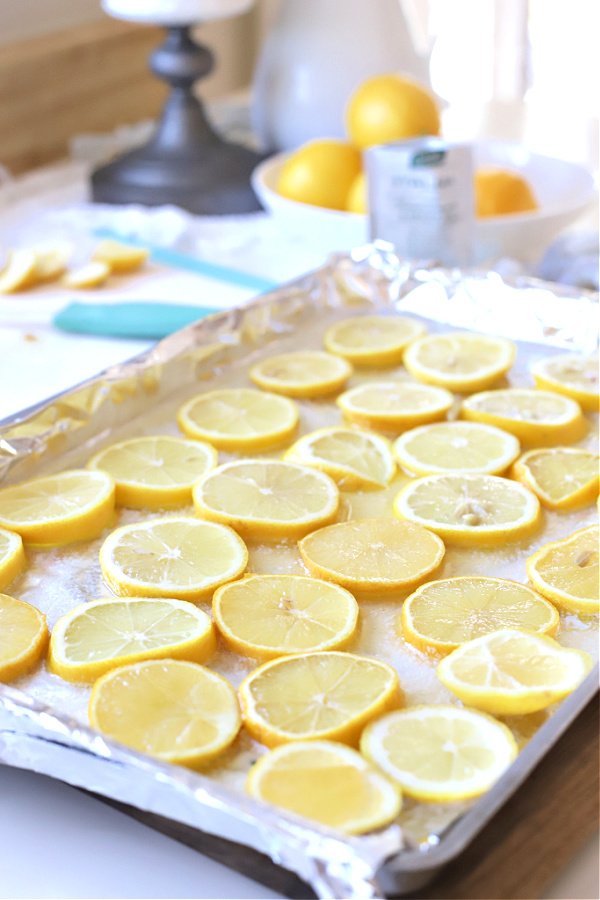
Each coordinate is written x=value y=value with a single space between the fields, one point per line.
x=316 y=53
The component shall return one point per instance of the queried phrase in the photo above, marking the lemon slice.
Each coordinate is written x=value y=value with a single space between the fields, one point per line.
x=51 y=261
x=306 y=373
x=90 y=275
x=155 y=472
x=267 y=616
x=23 y=637
x=566 y=572
x=120 y=257
x=18 y=271
x=354 y=459
x=326 y=782
x=267 y=498
x=12 y=556
x=456 y=447
x=239 y=419
x=174 y=557
x=440 y=753
x=534 y=417
x=562 y=477
x=511 y=672
x=373 y=554
x=462 y=361
x=377 y=341
x=175 y=710
x=574 y=375
x=394 y=406
x=56 y=509
x=441 y=615
x=317 y=696
x=470 y=509
x=101 y=635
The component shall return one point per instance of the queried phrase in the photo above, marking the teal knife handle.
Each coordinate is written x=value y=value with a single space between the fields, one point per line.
x=144 y=320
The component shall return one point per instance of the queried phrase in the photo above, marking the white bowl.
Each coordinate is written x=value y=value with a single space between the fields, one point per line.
x=564 y=191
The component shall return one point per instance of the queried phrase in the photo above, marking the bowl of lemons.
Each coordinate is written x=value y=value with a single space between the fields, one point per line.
x=318 y=192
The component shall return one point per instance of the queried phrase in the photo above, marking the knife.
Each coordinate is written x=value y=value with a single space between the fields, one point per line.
x=140 y=320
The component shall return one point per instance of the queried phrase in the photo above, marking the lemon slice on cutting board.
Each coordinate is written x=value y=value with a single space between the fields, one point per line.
x=456 y=447
x=574 y=375
x=470 y=509
x=326 y=782
x=267 y=498
x=91 y=275
x=104 y=634
x=12 y=556
x=155 y=471
x=562 y=477
x=305 y=373
x=51 y=261
x=373 y=554
x=566 y=572
x=76 y=505
x=356 y=460
x=18 y=271
x=461 y=361
x=178 y=557
x=512 y=672
x=23 y=637
x=267 y=616
x=317 y=696
x=239 y=419
x=377 y=341
x=120 y=257
x=534 y=417
x=442 y=615
x=172 y=709
x=394 y=406
x=439 y=754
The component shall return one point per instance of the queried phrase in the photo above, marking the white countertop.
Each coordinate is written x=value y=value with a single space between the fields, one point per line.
x=56 y=842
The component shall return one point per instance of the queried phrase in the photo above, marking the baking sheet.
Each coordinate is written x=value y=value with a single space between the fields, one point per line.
x=142 y=397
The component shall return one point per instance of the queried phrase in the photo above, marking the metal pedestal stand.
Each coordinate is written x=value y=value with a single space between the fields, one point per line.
x=186 y=163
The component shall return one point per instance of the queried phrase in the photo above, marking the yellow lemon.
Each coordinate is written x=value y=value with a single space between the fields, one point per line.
x=572 y=374
x=394 y=406
x=502 y=192
x=120 y=257
x=541 y=418
x=373 y=554
x=104 y=634
x=562 y=477
x=317 y=696
x=23 y=637
x=306 y=373
x=327 y=782
x=374 y=341
x=461 y=361
x=267 y=498
x=566 y=572
x=456 y=447
x=388 y=108
x=357 y=199
x=470 y=509
x=441 y=615
x=155 y=472
x=90 y=275
x=12 y=556
x=320 y=173
x=512 y=672
x=355 y=459
x=175 y=710
x=439 y=753
x=266 y=616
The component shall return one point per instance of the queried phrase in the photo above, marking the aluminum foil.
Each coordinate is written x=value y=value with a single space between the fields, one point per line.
x=43 y=720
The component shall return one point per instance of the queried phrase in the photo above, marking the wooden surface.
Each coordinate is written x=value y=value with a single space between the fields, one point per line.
x=90 y=78
x=518 y=854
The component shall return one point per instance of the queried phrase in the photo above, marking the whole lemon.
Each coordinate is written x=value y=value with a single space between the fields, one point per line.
x=320 y=173
x=390 y=108
x=500 y=192
x=356 y=201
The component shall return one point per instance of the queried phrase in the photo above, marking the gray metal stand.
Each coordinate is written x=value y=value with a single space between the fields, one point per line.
x=185 y=163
